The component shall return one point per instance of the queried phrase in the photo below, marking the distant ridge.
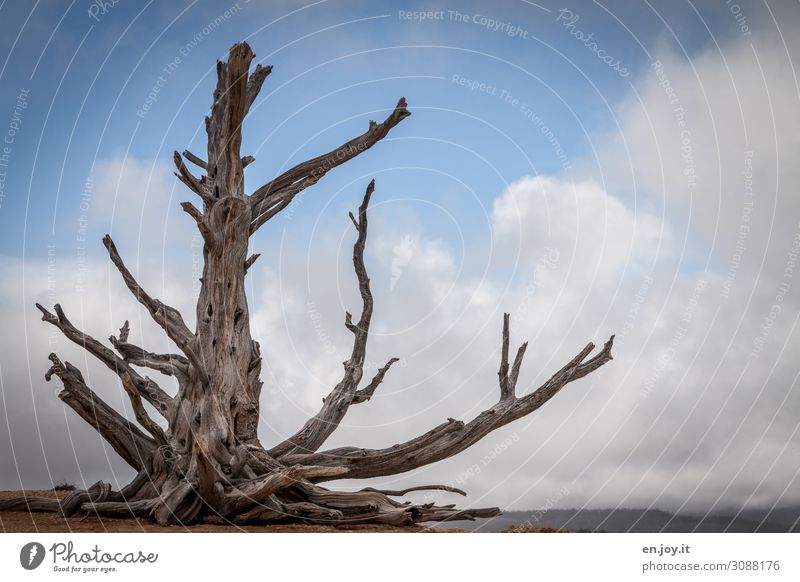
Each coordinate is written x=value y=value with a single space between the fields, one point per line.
x=645 y=521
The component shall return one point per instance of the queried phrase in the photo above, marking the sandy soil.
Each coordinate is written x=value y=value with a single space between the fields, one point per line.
x=46 y=522
x=19 y=521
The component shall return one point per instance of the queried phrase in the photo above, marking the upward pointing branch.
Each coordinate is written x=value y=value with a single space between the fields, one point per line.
x=254 y=84
x=451 y=438
x=274 y=196
x=508 y=380
x=225 y=137
x=316 y=431
x=167 y=317
x=146 y=387
x=125 y=437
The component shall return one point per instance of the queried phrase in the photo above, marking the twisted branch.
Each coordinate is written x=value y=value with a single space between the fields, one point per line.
x=145 y=387
x=125 y=438
x=169 y=364
x=169 y=318
x=318 y=428
x=439 y=443
x=272 y=197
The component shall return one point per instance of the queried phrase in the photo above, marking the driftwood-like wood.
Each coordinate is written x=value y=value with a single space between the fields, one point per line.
x=453 y=437
x=127 y=439
x=208 y=460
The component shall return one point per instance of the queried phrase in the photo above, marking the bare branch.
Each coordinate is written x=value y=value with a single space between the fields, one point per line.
x=386 y=455
x=146 y=387
x=169 y=364
x=194 y=212
x=513 y=377
x=254 y=84
x=124 y=331
x=508 y=381
x=199 y=218
x=167 y=317
x=440 y=444
x=505 y=391
x=140 y=412
x=366 y=393
x=185 y=176
x=278 y=204
x=317 y=429
x=125 y=438
x=401 y=492
x=224 y=126
x=250 y=260
x=362 y=327
x=286 y=186
x=348 y=322
x=200 y=163
x=596 y=361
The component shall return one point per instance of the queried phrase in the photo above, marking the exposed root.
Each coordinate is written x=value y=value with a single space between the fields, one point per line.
x=272 y=499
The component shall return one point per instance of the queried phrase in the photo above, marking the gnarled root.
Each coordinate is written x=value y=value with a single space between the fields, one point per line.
x=273 y=499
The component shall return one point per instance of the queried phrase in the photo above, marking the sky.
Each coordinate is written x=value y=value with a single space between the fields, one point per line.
x=591 y=168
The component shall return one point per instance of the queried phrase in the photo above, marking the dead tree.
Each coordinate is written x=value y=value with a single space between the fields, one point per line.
x=209 y=460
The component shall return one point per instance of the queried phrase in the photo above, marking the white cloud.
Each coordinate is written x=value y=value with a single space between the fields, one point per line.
x=590 y=235
x=137 y=200
x=449 y=349
x=685 y=416
x=699 y=140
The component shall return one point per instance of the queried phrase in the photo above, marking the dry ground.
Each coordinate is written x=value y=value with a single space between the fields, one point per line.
x=45 y=522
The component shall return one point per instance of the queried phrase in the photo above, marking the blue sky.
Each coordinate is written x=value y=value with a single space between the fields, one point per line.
x=88 y=77
x=586 y=197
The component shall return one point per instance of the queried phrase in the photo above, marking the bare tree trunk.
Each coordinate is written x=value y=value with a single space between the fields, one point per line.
x=209 y=461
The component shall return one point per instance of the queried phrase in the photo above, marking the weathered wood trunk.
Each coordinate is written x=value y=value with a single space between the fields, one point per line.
x=216 y=415
x=209 y=460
